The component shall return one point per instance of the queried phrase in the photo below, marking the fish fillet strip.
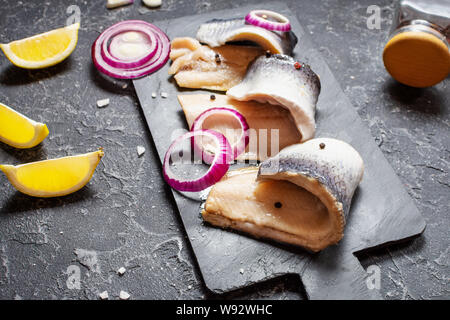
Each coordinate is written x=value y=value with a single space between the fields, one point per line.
x=197 y=66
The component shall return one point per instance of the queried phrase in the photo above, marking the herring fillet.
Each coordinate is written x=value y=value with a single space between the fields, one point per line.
x=217 y=32
x=267 y=123
x=329 y=168
x=276 y=80
x=302 y=196
x=199 y=66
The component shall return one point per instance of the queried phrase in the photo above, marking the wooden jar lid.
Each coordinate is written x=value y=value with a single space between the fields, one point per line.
x=417 y=59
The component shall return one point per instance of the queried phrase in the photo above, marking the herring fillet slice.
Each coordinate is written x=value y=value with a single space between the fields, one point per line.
x=266 y=121
x=217 y=32
x=330 y=169
x=275 y=79
x=301 y=196
x=199 y=66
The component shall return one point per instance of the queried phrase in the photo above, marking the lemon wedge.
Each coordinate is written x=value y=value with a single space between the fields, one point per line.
x=53 y=178
x=43 y=50
x=19 y=131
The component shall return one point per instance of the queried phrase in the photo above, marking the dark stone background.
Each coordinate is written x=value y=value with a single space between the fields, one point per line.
x=126 y=216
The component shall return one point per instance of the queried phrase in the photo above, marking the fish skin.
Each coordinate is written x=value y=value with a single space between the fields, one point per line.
x=338 y=166
x=275 y=79
x=217 y=32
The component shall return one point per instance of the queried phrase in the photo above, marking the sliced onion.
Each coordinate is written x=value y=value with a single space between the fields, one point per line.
x=218 y=168
x=112 y=56
x=108 y=61
x=269 y=20
x=238 y=147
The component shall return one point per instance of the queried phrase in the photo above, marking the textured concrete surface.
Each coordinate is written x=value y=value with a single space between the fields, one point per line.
x=125 y=216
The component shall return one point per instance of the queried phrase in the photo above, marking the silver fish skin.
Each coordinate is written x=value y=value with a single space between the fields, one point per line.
x=276 y=80
x=217 y=32
x=334 y=164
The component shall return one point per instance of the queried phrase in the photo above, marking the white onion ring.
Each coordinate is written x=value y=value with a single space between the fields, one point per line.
x=255 y=18
x=218 y=168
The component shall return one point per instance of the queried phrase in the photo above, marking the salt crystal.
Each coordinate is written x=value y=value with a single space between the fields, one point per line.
x=102 y=103
x=123 y=295
x=152 y=3
x=164 y=95
x=104 y=295
x=121 y=271
x=154 y=95
x=140 y=150
x=241 y=271
x=110 y=4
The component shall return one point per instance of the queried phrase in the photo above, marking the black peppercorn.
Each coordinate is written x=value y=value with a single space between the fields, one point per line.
x=278 y=205
x=322 y=145
x=212 y=97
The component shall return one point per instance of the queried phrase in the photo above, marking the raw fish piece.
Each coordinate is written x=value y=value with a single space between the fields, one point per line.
x=197 y=66
x=262 y=118
x=217 y=32
x=277 y=80
x=302 y=196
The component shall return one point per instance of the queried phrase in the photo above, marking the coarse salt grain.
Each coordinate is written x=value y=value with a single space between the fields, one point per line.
x=121 y=271
x=123 y=295
x=140 y=150
x=152 y=3
x=110 y=4
x=102 y=103
x=104 y=295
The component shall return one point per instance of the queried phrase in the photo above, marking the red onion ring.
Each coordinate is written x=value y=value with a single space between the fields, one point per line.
x=239 y=147
x=149 y=63
x=218 y=168
x=256 y=18
x=112 y=35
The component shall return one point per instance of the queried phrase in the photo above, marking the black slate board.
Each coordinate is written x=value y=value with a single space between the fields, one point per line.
x=382 y=212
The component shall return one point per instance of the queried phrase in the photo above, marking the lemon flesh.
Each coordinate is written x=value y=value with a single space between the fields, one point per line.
x=43 y=50
x=19 y=131
x=53 y=178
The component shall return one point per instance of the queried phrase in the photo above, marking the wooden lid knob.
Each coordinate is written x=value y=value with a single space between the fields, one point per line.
x=417 y=59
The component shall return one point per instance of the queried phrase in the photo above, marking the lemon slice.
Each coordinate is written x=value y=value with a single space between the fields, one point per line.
x=43 y=50
x=53 y=178
x=18 y=131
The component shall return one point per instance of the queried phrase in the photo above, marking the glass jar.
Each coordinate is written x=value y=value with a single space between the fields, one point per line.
x=417 y=52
